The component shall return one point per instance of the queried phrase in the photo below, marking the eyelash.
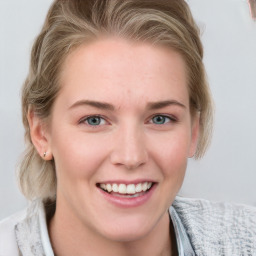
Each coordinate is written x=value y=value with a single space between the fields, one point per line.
x=85 y=119
x=171 y=119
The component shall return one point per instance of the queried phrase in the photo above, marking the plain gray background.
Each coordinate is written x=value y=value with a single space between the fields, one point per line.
x=227 y=172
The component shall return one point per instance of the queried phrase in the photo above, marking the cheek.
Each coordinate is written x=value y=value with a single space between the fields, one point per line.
x=174 y=163
x=170 y=153
x=77 y=155
x=172 y=147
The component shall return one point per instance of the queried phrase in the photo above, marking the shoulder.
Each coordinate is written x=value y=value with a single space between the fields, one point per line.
x=218 y=228
x=206 y=207
x=8 y=245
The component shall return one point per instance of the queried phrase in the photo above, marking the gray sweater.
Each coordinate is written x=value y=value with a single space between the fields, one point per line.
x=218 y=228
x=213 y=229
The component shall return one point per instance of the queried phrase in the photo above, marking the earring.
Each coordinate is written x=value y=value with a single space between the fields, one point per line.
x=44 y=154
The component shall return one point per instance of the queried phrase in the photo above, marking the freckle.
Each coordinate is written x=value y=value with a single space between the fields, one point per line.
x=128 y=91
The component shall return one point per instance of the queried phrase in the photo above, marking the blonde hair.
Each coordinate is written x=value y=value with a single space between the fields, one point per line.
x=71 y=23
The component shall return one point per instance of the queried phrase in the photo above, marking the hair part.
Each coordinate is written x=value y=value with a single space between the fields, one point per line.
x=72 y=23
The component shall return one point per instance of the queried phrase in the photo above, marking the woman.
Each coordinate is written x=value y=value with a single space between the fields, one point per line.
x=115 y=102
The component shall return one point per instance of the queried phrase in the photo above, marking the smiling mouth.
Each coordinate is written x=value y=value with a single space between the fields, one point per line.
x=129 y=190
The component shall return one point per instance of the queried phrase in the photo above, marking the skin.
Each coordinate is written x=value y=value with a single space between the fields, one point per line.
x=127 y=144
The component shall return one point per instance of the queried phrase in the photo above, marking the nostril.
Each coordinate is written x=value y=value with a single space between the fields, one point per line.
x=129 y=160
x=134 y=165
x=129 y=149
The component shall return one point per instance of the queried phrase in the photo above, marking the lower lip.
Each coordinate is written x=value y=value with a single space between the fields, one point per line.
x=127 y=202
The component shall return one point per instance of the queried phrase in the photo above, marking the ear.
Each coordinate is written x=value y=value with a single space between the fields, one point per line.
x=195 y=120
x=39 y=136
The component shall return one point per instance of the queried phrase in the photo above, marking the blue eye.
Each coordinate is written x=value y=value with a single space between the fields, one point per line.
x=95 y=120
x=159 y=119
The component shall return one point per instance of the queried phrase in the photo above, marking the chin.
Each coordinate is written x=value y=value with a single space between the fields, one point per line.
x=127 y=231
x=126 y=235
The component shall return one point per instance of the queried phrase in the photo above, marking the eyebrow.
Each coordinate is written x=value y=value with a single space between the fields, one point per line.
x=108 y=106
x=165 y=103
x=96 y=104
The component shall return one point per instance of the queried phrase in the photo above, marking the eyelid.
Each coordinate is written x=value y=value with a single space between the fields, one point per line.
x=85 y=118
x=171 y=117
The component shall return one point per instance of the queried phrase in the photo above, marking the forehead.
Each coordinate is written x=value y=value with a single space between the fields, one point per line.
x=115 y=68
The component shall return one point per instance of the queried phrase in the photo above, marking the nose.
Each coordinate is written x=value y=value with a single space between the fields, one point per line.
x=129 y=148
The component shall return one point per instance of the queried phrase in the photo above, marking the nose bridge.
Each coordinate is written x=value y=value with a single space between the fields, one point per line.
x=130 y=149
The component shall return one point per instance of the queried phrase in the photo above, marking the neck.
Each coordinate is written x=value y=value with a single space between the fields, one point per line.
x=68 y=237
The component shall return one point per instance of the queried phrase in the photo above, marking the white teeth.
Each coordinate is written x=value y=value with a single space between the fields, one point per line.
x=103 y=186
x=138 y=188
x=144 y=186
x=122 y=189
x=126 y=189
x=109 y=188
x=130 y=189
x=115 y=188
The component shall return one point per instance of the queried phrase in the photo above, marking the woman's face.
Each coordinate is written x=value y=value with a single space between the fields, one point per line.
x=120 y=134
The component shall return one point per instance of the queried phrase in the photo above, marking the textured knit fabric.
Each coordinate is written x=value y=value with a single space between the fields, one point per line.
x=183 y=243
x=212 y=228
x=28 y=232
x=218 y=228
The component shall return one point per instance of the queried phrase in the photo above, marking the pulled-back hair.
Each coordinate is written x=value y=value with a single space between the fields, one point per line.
x=71 y=23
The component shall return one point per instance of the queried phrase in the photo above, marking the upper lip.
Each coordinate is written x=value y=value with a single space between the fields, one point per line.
x=126 y=182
